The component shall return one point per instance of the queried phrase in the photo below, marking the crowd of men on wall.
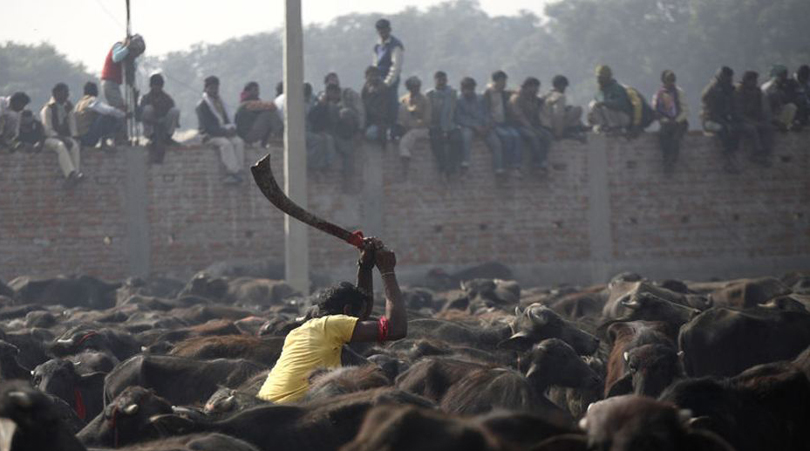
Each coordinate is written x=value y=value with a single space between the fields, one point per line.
x=509 y=122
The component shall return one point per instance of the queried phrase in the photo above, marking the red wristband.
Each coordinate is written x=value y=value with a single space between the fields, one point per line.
x=382 y=329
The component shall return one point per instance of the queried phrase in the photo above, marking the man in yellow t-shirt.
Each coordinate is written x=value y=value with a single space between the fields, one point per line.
x=342 y=317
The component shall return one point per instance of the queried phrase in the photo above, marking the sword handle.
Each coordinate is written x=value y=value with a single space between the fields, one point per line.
x=356 y=239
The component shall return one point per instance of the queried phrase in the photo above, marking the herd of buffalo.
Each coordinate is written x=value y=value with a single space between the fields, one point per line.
x=635 y=364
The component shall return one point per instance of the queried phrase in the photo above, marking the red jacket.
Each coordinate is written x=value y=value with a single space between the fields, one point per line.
x=113 y=71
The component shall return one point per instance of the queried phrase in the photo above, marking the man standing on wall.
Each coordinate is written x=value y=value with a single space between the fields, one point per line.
x=388 y=58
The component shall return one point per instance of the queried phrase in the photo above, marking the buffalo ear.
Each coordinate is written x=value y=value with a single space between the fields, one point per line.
x=699 y=440
x=623 y=386
x=519 y=342
x=564 y=442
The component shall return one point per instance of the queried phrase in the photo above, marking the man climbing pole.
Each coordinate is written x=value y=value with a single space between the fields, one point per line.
x=119 y=66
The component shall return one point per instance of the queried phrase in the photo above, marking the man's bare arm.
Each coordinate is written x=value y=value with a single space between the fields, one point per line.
x=394 y=325
x=365 y=273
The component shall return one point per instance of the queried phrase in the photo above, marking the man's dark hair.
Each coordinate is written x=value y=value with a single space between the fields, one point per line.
x=279 y=88
x=372 y=69
x=439 y=73
x=666 y=74
x=499 y=75
x=333 y=301
x=327 y=76
x=157 y=80
x=20 y=98
x=468 y=82
x=250 y=85
x=59 y=87
x=750 y=76
x=531 y=82
x=726 y=72
x=307 y=89
x=332 y=87
x=559 y=81
x=803 y=71
x=383 y=24
x=211 y=80
x=90 y=89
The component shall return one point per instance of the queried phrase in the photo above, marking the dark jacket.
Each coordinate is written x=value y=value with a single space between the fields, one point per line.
x=31 y=133
x=208 y=123
x=376 y=100
x=718 y=102
x=751 y=103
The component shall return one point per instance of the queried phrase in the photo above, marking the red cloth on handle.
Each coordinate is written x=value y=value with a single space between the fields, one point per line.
x=356 y=239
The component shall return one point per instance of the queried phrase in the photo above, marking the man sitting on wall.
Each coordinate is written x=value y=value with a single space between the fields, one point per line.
x=445 y=136
x=720 y=115
x=10 y=109
x=473 y=120
x=96 y=120
x=414 y=118
x=376 y=96
x=61 y=134
x=217 y=129
x=526 y=106
x=564 y=121
x=160 y=117
x=781 y=95
x=256 y=120
x=617 y=107
x=756 y=117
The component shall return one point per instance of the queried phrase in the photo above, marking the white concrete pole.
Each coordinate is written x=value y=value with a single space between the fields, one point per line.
x=296 y=249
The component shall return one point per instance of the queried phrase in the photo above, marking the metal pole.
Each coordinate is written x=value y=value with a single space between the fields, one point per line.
x=295 y=156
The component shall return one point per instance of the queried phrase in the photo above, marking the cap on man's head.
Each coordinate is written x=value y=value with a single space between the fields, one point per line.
x=211 y=81
x=156 y=80
x=383 y=24
x=604 y=71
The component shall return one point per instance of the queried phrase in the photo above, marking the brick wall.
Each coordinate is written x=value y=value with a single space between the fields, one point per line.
x=604 y=207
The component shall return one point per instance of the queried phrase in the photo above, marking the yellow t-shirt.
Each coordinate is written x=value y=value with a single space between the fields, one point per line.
x=315 y=344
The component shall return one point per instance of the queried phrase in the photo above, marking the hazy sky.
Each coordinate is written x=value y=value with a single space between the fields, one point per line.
x=84 y=30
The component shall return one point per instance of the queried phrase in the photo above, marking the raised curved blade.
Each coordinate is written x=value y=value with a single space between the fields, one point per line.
x=263 y=176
